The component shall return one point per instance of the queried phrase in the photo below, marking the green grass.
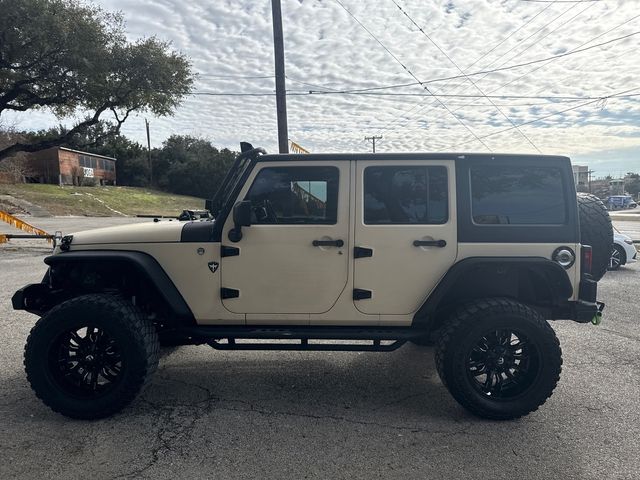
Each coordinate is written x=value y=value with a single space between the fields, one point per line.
x=69 y=200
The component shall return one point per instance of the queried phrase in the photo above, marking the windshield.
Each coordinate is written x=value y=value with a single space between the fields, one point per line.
x=229 y=183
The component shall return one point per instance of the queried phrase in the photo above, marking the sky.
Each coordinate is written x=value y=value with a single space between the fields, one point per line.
x=338 y=45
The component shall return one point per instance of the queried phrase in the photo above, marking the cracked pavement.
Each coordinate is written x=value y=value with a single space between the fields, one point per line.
x=329 y=414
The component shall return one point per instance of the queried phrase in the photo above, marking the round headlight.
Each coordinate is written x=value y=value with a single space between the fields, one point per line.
x=564 y=256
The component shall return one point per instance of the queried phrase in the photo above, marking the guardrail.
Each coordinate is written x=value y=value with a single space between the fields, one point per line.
x=25 y=227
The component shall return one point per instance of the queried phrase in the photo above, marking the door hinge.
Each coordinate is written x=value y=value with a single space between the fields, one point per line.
x=229 y=293
x=226 y=251
x=360 y=294
x=362 y=252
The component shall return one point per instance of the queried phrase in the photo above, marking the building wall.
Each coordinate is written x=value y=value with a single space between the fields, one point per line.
x=59 y=166
x=43 y=166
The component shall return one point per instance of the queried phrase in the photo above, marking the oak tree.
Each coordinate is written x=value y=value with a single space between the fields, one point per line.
x=73 y=59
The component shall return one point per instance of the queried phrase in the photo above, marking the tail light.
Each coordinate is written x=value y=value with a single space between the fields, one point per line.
x=587 y=258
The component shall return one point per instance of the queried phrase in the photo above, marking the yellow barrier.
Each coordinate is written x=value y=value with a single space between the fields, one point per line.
x=21 y=225
x=295 y=148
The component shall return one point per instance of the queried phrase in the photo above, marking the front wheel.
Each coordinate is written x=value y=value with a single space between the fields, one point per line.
x=499 y=358
x=89 y=357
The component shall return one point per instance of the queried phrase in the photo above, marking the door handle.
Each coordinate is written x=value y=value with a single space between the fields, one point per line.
x=328 y=243
x=430 y=243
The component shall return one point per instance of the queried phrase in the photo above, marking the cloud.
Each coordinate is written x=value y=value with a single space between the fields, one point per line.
x=325 y=46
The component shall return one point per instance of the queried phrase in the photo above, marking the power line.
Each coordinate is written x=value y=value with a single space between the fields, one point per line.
x=426 y=95
x=411 y=73
x=471 y=74
x=416 y=105
x=406 y=14
x=553 y=58
x=612 y=96
x=575 y=50
x=421 y=109
x=212 y=75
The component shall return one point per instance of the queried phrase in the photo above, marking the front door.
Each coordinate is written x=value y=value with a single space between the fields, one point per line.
x=405 y=234
x=293 y=259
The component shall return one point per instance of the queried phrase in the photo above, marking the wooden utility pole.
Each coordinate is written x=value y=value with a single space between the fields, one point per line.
x=146 y=124
x=373 y=140
x=281 y=95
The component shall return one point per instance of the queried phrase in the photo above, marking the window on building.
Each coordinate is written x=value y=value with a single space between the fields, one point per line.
x=295 y=195
x=515 y=195
x=403 y=195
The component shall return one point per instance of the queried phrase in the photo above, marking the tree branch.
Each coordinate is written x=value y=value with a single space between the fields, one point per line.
x=53 y=142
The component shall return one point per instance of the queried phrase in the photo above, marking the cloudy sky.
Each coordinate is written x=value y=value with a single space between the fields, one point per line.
x=552 y=106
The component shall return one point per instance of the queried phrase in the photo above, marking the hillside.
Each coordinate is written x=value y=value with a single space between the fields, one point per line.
x=97 y=201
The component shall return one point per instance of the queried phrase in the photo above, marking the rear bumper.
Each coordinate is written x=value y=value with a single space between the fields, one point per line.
x=586 y=307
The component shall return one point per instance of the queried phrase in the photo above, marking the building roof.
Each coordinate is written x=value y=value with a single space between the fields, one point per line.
x=86 y=153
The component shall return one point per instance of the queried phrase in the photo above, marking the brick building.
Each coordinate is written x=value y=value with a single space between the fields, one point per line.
x=64 y=166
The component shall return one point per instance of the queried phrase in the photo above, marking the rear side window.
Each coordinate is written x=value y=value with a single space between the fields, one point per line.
x=295 y=195
x=512 y=195
x=405 y=195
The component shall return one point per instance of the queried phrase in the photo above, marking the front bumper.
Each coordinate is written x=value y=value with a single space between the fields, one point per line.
x=34 y=298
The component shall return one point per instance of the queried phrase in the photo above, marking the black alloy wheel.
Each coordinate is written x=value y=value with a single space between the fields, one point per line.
x=88 y=361
x=503 y=364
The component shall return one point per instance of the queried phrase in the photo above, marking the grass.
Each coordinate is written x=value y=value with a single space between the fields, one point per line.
x=102 y=201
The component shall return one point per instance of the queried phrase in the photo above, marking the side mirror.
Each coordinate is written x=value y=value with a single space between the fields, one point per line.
x=208 y=205
x=242 y=214
x=241 y=218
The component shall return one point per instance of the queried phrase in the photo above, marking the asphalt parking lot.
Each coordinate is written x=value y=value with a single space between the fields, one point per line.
x=327 y=415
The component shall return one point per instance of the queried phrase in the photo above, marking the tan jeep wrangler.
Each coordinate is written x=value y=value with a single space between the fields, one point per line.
x=474 y=252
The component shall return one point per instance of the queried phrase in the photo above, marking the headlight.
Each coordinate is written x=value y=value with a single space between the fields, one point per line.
x=564 y=257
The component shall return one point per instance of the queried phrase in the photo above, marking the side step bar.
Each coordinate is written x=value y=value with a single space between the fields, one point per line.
x=213 y=336
x=304 y=345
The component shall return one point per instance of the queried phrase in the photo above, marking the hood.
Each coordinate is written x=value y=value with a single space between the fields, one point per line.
x=145 y=232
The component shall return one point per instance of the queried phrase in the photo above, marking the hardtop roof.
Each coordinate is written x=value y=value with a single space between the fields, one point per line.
x=301 y=157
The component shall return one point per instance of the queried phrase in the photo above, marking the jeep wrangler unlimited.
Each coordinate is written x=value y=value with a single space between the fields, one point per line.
x=333 y=252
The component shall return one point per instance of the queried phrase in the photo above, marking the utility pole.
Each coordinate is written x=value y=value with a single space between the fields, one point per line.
x=373 y=140
x=589 y=172
x=146 y=124
x=281 y=95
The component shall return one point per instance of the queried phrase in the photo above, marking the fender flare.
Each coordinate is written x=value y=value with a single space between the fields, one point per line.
x=147 y=266
x=556 y=277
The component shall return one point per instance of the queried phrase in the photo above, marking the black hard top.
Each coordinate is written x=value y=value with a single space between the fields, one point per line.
x=295 y=157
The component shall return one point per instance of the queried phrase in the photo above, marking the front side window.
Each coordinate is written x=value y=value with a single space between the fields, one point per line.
x=295 y=195
x=405 y=195
x=512 y=195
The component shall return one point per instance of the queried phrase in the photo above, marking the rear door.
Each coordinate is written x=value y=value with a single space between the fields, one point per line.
x=405 y=233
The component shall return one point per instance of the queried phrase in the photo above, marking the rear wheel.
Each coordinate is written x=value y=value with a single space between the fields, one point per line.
x=89 y=357
x=499 y=358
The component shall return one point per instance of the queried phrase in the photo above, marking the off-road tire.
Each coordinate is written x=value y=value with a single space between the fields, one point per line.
x=133 y=334
x=424 y=341
x=595 y=230
x=466 y=326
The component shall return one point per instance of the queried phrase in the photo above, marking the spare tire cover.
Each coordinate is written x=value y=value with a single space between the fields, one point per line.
x=595 y=230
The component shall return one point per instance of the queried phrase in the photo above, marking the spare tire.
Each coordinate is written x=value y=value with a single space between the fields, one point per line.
x=595 y=230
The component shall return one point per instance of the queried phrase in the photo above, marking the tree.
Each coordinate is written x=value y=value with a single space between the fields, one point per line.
x=633 y=183
x=73 y=58
x=190 y=166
